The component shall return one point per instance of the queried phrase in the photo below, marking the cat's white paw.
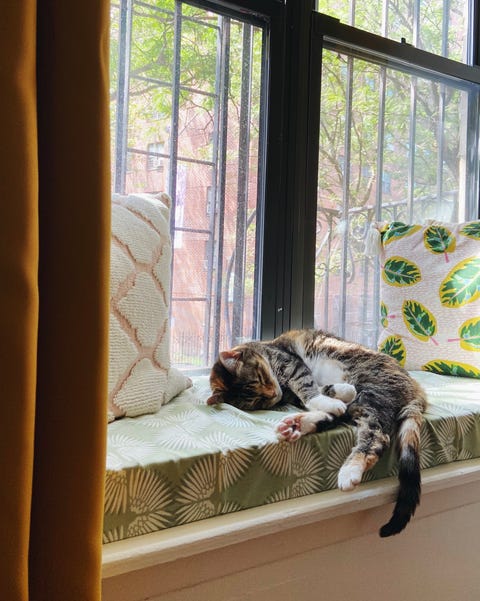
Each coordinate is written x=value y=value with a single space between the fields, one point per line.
x=293 y=427
x=349 y=476
x=345 y=392
x=328 y=404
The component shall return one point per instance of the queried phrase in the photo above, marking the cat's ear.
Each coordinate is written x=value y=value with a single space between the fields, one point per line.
x=215 y=399
x=230 y=359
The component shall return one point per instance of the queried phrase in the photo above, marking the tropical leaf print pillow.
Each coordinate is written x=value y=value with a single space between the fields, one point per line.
x=430 y=296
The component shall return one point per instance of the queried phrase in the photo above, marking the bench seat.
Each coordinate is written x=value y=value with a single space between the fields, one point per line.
x=191 y=461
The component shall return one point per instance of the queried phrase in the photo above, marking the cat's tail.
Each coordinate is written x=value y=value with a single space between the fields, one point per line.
x=408 y=497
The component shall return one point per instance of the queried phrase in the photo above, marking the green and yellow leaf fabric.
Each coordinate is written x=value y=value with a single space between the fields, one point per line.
x=431 y=277
x=451 y=368
x=383 y=314
x=470 y=334
x=399 y=271
x=419 y=320
x=395 y=230
x=462 y=284
x=472 y=230
x=393 y=346
x=439 y=240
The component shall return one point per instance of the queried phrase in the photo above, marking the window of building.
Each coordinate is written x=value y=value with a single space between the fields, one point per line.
x=281 y=144
x=398 y=140
x=194 y=78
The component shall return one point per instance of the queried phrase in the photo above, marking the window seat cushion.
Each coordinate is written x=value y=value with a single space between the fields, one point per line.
x=191 y=461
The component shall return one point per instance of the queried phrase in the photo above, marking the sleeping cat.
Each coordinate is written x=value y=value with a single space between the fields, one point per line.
x=333 y=381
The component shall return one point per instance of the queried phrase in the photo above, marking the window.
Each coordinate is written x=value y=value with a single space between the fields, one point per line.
x=398 y=140
x=279 y=145
x=193 y=77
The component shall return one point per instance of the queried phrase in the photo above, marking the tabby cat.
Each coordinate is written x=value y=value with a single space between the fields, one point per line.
x=333 y=381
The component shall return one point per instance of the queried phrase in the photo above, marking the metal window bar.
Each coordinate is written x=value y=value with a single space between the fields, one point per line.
x=346 y=192
x=153 y=7
x=121 y=129
x=242 y=194
x=353 y=6
x=259 y=211
x=164 y=155
x=411 y=147
x=168 y=84
x=218 y=183
x=416 y=23
x=385 y=6
x=440 y=142
x=379 y=191
x=172 y=172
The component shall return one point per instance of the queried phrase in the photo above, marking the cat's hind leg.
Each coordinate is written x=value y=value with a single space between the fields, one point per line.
x=325 y=407
x=294 y=426
x=371 y=443
x=343 y=391
x=329 y=404
x=333 y=399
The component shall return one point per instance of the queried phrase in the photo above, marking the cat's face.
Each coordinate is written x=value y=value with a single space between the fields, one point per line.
x=243 y=378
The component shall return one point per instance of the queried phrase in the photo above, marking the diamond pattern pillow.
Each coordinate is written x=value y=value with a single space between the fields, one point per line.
x=430 y=296
x=140 y=376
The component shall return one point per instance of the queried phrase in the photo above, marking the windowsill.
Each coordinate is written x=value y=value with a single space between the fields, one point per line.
x=218 y=532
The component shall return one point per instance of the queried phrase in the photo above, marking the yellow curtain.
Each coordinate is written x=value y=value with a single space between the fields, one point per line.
x=54 y=241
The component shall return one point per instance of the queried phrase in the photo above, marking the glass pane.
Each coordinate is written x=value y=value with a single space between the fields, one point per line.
x=393 y=146
x=188 y=122
x=437 y=26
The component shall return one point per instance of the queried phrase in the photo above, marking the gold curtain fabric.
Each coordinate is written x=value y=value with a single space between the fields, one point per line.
x=54 y=244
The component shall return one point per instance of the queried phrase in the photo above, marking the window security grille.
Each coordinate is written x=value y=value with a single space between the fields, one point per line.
x=398 y=140
x=193 y=78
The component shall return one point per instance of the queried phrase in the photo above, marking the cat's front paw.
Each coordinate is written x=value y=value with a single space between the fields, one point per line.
x=293 y=427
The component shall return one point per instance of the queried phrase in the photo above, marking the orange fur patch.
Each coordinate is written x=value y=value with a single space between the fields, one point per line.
x=364 y=462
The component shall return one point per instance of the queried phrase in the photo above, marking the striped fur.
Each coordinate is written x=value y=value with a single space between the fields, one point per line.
x=332 y=381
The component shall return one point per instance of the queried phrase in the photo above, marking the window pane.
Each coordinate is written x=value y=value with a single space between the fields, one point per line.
x=187 y=121
x=393 y=146
x=437 y=26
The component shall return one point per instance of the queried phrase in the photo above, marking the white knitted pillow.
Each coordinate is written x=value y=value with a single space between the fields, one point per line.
x=140 y=376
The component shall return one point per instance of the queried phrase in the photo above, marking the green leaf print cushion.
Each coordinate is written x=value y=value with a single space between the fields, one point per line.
x=430 y=296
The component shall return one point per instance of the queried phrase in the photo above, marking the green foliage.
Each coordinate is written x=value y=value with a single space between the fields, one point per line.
x=152 y=57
